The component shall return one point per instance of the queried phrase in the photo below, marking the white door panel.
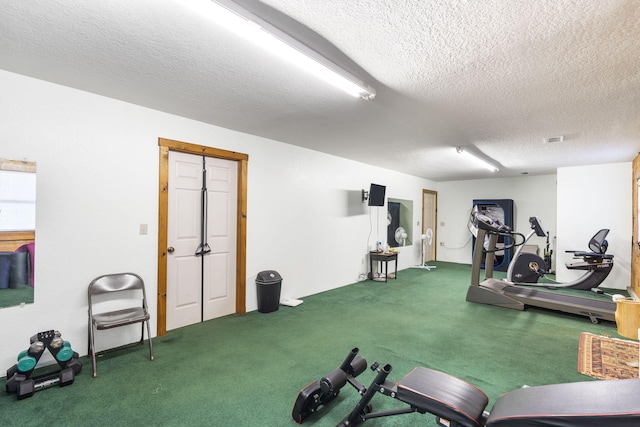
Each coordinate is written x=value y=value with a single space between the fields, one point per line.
x=220 y=286
x=218 y=267
x=192 y=297
x=186 y=296
x=183 y=267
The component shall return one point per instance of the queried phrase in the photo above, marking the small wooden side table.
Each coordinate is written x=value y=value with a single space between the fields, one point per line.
x=385 y=258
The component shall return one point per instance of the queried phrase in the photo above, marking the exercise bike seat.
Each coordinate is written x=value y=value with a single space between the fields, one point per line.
x=598 y=246
x=590 y=261
x=597 y=258
x=581 y=254
x=611 y=403
x=444 y=396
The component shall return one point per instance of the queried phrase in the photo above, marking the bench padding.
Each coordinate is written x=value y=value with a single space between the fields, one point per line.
x=443 y=395
x=612 y=403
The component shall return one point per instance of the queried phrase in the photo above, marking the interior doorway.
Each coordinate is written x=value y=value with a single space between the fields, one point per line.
x=164 y=248
x=429 y=225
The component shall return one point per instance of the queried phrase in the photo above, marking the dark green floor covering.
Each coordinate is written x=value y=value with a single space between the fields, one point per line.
x=247 y=370
x=10 y=297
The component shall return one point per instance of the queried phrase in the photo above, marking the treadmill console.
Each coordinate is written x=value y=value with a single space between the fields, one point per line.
x=485 y=222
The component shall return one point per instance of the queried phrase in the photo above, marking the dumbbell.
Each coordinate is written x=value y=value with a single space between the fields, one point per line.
x=25 y=389
x=67 y=376
x=65 y=353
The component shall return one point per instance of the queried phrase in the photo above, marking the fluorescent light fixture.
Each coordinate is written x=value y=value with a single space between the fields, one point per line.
x=553 y=139
x=479 y=161
x=231 y=16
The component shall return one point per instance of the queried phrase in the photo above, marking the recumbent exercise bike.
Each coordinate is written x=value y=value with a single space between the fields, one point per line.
x=527 y=268
x=457 y=403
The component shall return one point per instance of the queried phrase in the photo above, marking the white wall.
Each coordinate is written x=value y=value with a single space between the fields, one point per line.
x=532 y=196
x=97 y=163
x=308 y=221
x=591 y=198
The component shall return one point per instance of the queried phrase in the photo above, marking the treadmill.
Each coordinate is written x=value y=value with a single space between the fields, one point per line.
x=509 y=295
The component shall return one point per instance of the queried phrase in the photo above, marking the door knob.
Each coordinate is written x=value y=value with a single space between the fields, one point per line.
x=170 y=249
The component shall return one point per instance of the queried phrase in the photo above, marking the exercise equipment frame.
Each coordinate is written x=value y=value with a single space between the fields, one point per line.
x=526 y=268
x=457 y=403
x=510 y=295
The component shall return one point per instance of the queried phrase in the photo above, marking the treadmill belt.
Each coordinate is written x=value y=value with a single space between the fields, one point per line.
x=592 y=307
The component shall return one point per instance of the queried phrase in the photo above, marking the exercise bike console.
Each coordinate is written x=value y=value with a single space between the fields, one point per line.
x=537 y=227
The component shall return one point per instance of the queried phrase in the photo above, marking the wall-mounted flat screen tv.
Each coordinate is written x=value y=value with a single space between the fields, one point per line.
x=376 y=195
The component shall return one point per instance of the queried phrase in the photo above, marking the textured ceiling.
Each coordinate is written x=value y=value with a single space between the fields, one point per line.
x=496 y=76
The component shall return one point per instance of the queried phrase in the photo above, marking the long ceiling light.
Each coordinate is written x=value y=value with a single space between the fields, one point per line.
x=229 y=15
x=478 y=160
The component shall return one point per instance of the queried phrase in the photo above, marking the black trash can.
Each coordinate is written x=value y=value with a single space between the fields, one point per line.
x=269 y=284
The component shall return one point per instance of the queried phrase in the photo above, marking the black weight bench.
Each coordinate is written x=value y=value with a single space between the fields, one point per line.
x=610 y=403
x=444 y=395
x=457 y=403
x=614 y=403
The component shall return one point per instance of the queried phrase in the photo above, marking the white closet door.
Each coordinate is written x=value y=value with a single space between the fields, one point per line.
x=220 y=264
x=186 y=284
x=184 y=276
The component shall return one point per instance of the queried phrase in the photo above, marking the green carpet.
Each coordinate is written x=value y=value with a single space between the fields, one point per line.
x=10 y=297
x=246 y=370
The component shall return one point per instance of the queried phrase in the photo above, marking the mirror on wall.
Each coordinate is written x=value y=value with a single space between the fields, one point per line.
x=17 y=232
x=399 y=222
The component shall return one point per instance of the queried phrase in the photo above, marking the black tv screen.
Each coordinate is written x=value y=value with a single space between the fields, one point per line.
x=376 y=195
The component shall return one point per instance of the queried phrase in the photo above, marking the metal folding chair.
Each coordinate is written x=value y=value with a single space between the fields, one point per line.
x=108 y=289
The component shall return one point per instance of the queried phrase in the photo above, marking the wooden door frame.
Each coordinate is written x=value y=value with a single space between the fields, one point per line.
x=167 y=145
x=635 y=244
x=435 y=230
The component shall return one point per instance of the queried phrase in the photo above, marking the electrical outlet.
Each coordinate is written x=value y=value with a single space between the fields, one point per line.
x=143 y=229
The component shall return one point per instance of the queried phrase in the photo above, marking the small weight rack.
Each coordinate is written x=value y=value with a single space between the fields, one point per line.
x=19 y=376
